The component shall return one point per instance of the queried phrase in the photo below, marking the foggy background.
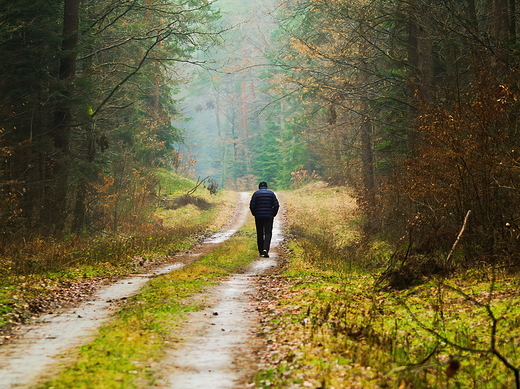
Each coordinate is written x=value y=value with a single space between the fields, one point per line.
x=223 y=103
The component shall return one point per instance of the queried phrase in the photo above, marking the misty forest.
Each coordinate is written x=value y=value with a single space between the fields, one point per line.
x=389 y=128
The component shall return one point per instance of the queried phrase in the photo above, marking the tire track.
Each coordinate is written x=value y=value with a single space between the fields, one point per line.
x=217 y=346
x=33 y=355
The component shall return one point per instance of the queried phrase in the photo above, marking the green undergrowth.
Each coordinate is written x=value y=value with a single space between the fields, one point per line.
x=126 y=351
x=174 y=185
x=182 y=204
x=32 y=273
x=333 y=327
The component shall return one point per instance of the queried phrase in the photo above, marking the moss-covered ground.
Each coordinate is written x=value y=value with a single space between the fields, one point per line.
x=334 y=325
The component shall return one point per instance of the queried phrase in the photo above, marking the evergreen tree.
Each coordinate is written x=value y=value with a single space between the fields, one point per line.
x=88 y=106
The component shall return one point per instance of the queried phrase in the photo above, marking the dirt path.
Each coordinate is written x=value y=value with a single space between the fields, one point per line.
x=34 y=354
x=219 y=342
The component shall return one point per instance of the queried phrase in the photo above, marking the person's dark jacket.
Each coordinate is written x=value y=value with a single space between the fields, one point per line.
x=264 y=203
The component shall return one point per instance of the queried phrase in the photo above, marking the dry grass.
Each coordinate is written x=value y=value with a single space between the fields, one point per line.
x=34 y=271
x=330 y=327
x=326 y=221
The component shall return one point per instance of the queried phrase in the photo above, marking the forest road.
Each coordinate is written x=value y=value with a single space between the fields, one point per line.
x=213 y=337
x=218 y=344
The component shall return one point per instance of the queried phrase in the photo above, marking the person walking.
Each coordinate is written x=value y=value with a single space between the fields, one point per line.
x=264 y=207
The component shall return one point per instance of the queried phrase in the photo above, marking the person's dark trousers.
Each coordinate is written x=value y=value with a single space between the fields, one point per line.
x=264 y=233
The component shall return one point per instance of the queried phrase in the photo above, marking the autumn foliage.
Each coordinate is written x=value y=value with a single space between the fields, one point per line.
x=466 y=160
x=415 y=105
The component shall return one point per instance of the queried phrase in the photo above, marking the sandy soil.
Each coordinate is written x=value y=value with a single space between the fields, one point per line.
x=217 y=346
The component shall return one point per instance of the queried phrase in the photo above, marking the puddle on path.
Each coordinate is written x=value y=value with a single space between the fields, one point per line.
x=34 y=351
x=215 y=352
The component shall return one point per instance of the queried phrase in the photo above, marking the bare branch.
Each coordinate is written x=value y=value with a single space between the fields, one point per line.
x=448 y=259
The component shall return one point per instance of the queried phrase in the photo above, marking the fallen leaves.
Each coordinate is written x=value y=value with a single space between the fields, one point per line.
x=38 y=296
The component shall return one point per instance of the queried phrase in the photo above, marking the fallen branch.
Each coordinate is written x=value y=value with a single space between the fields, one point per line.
x=199 y=183
x=448 y=258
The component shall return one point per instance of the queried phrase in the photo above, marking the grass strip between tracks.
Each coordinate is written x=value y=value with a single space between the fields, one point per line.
x=126 y=349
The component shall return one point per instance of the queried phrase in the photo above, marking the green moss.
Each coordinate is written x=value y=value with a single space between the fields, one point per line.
x=334 y=328
x=125 y=349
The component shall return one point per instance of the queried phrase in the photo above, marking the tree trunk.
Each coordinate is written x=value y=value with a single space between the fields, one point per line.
x=60 y=133
x=367 y=161
x=67 y=72
x=420 y=65
x=367 y=156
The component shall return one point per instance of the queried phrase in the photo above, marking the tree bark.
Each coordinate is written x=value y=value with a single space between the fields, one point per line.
x=60 y=133
x=67 y=72
x=367 y=161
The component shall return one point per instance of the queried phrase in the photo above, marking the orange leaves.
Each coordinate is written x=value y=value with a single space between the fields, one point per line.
x=460 y=148
x=121 y=196
x=301 y=47
x=302 y=177
x=106 y=194
x=104 y=185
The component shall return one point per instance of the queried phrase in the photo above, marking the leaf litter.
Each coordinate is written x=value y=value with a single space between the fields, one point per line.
x=31 y=354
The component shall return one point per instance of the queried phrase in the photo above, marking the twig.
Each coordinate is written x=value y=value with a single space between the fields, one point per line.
x=199 y=183
x=448 y=259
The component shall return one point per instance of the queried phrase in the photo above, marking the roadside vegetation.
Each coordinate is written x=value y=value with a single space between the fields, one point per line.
x=339 y=322
x=39 y=271
x=125 y=351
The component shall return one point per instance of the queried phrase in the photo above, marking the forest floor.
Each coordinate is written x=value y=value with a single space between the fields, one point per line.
x=317 y=314
x=216 y=345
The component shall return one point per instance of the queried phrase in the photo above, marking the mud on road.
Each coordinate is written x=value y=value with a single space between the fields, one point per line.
x=217 y=346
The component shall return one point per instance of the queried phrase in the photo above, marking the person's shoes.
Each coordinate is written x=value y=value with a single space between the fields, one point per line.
x=264 y=254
